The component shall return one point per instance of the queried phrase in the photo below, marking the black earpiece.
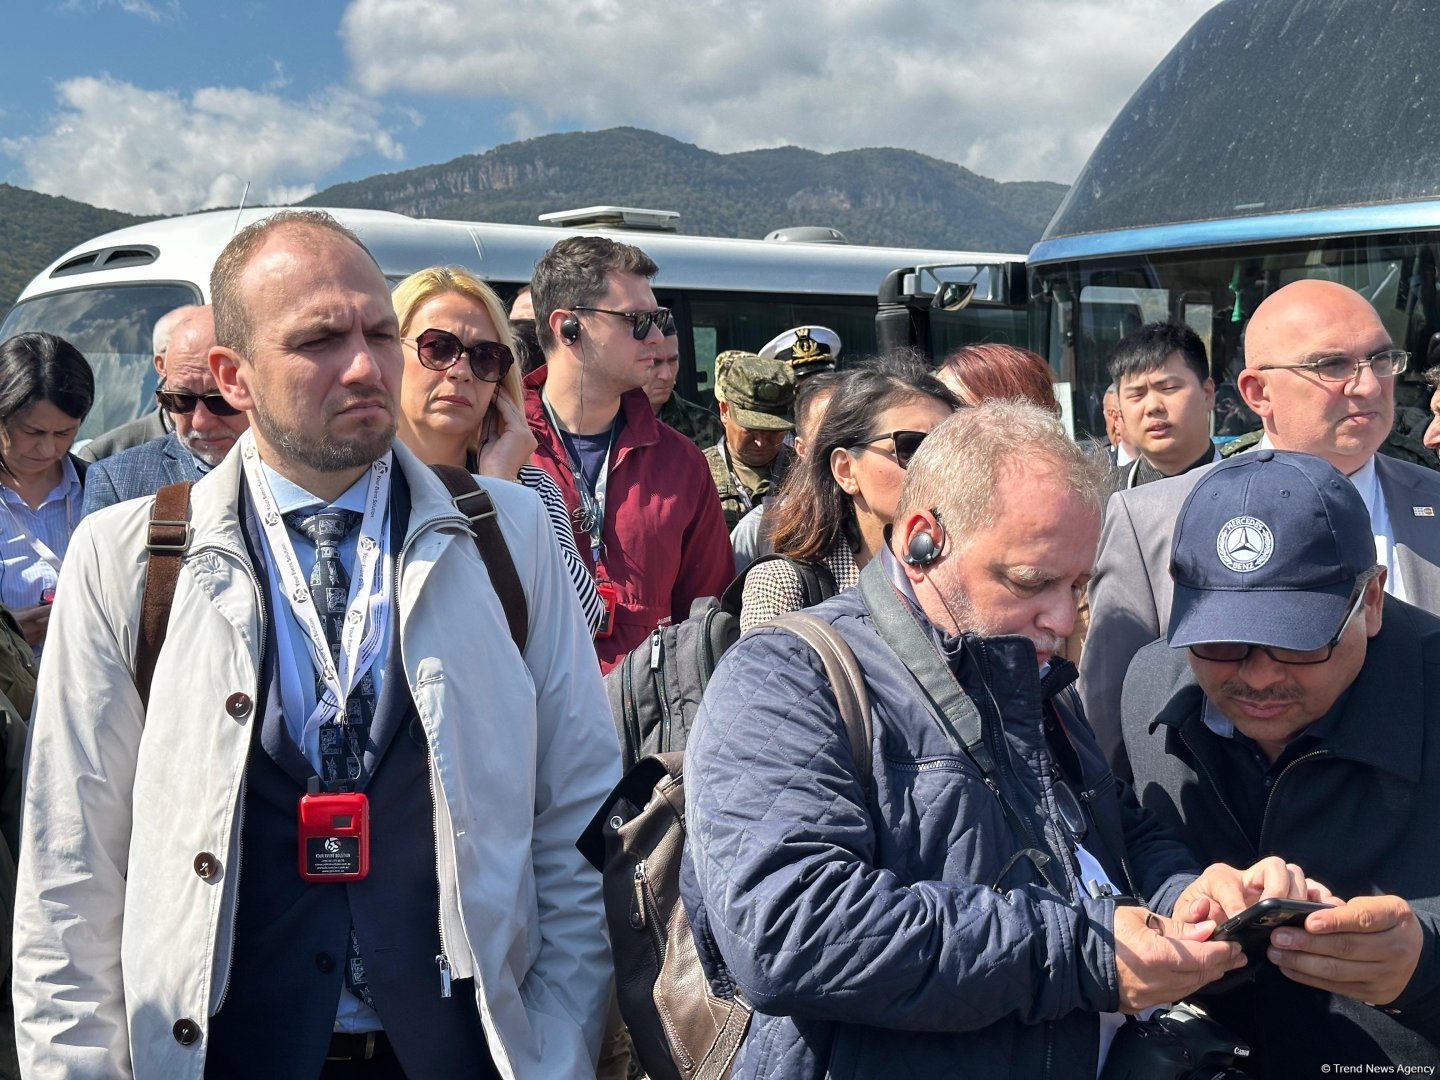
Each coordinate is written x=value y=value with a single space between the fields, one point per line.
x=570 y=329
x=922 y=549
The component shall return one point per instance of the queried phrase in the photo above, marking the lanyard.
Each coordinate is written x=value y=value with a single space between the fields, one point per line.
x=747 y=501
x=367 y=611
x=591 y=515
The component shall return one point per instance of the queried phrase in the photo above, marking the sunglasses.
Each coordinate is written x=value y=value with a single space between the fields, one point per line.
x=1237 y=652
x=641 y=321
x=440 y=350
x=184 y=402
x=906 y=443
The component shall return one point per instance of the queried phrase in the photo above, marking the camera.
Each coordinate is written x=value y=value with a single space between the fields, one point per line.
x=1181 y=1043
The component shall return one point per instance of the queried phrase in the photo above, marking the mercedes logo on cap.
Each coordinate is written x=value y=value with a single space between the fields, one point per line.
x=1245 y=544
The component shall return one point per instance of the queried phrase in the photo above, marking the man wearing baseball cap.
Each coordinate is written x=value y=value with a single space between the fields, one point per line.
x=756 y=397
x=1295 y=710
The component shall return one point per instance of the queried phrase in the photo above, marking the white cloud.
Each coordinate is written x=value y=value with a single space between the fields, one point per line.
x=117 y=145
x=153 y=10
x=1020 y=90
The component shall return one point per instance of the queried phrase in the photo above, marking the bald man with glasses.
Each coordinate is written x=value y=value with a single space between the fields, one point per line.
x=1292 y=712
x=1320 y=370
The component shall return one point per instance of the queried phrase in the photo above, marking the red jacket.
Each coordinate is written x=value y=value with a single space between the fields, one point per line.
x=665 y=542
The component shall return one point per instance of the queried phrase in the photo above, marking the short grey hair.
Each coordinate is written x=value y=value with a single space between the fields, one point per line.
x=958 y=467
x=165 y=326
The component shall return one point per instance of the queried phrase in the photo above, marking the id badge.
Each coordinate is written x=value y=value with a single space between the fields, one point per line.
x=608 y=595
x=334 y=836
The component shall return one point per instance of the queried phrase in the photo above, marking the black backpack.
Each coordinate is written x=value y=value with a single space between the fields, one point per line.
x=655 y=691
x=680 y=1026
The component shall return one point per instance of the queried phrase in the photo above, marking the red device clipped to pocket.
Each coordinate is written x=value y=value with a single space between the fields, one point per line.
x=334 y=836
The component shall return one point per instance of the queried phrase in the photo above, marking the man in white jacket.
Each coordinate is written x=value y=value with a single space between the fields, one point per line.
x=339 y=707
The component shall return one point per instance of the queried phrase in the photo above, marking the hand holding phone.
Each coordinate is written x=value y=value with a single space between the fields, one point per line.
x=1251 y=928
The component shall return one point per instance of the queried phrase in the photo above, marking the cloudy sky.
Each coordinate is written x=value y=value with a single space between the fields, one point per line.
x=165 y=106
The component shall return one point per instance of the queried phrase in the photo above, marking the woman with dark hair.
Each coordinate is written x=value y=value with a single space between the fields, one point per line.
x=46 y=388
x=990 y=370
x=834 y=504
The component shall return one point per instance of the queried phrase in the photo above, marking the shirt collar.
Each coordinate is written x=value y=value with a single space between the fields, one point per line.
x=290 y=496
x=68 y=487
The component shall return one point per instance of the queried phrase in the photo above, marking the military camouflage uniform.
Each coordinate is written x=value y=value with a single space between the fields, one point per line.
x=695 y=422
x=735 y=498
x=1397 y=444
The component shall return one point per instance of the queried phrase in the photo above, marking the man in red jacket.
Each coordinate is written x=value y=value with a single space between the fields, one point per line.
x=642 y=503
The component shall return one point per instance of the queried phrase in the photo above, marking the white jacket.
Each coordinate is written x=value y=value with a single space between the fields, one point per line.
x=117 y=937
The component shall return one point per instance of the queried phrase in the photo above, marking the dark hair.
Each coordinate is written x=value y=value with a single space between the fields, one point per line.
x=42 y=367
x=811 y=512
x=991 y=370
x=526 y=345
x=1142 y=351
x=820 y=385
x=573 y=274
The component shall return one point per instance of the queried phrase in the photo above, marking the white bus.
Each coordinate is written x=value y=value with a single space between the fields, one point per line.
x=105 y=295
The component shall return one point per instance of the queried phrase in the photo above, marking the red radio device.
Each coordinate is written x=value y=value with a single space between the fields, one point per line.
x=334 y=836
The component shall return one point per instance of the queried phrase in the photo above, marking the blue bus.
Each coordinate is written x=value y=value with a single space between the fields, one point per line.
x=1276 y=141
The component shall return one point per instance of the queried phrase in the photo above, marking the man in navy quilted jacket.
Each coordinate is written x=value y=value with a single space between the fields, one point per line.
x=989 y=901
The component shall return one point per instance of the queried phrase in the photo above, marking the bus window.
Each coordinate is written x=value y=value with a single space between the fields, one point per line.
x=111 y=326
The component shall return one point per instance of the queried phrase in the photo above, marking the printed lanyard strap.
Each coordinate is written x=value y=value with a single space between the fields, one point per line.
x=367 y=610
x=592 y=523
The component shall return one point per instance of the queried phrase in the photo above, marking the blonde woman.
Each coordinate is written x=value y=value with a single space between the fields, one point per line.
x=461 y=402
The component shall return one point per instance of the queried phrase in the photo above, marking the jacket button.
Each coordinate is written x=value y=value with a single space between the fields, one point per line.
x=325 y=962
x=185 y=1032
x=238 y=705
x=206 y=865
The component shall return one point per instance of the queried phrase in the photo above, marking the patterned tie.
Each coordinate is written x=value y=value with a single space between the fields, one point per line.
x=342 y=744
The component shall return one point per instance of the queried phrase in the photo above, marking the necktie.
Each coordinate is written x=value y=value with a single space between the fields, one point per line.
x=342 y=742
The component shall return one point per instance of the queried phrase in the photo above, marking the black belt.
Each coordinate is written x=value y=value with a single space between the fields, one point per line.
x=358 y=1046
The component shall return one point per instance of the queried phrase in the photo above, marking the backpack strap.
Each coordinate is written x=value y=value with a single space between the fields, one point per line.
x=846 y=679
x=166 y=541
x=474 y=502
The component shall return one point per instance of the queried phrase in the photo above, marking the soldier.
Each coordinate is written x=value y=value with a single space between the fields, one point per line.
x=755 y=396
x=695 y=422
x=809 y=350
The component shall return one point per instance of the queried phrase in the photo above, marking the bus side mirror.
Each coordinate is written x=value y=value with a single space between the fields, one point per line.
x=953 y=295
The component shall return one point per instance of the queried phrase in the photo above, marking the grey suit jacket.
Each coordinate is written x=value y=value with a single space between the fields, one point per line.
x=140 y=471
x=152 y=425
x=1130 y=587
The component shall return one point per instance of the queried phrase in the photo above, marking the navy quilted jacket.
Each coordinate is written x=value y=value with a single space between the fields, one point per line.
x=869 y=938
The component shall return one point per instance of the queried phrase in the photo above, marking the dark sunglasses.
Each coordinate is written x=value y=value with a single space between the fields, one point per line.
x=906 y=443
x=184 y=402
x=440 y=350
x=640 y=321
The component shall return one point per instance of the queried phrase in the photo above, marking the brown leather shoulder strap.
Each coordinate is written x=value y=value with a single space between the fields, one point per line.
x=166 y=542
x=474 y=502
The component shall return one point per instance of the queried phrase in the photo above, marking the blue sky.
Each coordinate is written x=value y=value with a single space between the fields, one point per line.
x=164 y=106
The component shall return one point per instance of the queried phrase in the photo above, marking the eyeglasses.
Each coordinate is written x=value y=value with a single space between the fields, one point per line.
x=184 y=402
x=1237 y=652
x=640 y=321
x=440 y=350
x=1385 y=364
x=906 y=443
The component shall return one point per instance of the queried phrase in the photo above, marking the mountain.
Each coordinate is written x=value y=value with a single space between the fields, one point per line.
x=876 y=196
x=36 y=229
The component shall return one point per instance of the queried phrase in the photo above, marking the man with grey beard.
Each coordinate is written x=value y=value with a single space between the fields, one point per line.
x=972 y=894
x=204 y=425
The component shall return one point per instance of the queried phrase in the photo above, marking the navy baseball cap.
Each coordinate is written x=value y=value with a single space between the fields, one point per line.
x=1267 y=549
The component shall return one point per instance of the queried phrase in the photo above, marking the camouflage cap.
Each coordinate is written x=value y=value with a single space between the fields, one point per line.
x=809 y=349
x=759 y=392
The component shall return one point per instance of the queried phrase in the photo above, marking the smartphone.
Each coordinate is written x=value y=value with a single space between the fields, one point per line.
x=1251 y=928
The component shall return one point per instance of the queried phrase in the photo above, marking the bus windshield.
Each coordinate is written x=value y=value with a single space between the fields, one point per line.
x=112 y=327
x=1089 y=305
